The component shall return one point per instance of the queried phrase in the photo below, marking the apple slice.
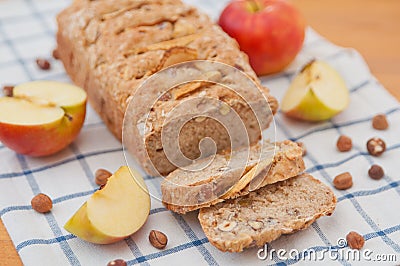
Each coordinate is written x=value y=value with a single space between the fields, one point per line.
x=114 y=212
x=41 y=117
x=317 y=93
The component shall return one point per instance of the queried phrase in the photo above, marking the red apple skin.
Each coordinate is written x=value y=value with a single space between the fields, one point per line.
x=44 y=140
x=271 y=36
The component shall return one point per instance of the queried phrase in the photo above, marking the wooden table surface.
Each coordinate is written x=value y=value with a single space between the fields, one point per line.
x=370 y=26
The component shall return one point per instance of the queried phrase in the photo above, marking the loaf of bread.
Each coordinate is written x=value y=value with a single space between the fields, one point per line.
x=202 y=185
x=111 y=48
x=264 y=215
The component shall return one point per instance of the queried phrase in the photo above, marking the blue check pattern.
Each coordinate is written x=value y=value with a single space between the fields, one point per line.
x=27 y=30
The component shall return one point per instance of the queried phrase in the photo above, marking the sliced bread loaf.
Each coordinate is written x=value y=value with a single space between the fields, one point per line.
x=202 y=185
x=111 y=49
x=265 y=214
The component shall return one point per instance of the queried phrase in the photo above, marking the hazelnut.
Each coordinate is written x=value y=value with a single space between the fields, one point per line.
x=376 y=172
x=344 y=143
x=158 y=239
x=380 y=122
x=376 y=146
x=256 y=225
x=101 y=176
x=41 y=203
x=8 y=91
x=355 y=240
x=343 y=181
x=43 y=64
x=227 y=226
x=118 y=262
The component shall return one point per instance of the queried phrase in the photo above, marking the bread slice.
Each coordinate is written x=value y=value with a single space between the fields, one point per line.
x=190 y=189
x=265 y=214
x=110 y=50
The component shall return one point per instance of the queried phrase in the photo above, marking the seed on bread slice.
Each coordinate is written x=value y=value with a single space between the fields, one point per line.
x=186 y=190
x=265 y=214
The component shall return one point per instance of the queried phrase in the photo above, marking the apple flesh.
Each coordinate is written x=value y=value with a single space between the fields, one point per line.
x=270 y=32
x=42 y=117
x=114 y=212
x=317 y=93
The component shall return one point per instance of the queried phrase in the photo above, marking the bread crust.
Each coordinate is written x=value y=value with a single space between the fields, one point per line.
x=286 y=163
x=111 y=49
x=264 y=215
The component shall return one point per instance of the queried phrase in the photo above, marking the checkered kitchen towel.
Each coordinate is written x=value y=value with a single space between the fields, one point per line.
x=370 y=207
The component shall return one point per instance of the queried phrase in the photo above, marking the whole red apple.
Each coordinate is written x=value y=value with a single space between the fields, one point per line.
x=271 y=32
